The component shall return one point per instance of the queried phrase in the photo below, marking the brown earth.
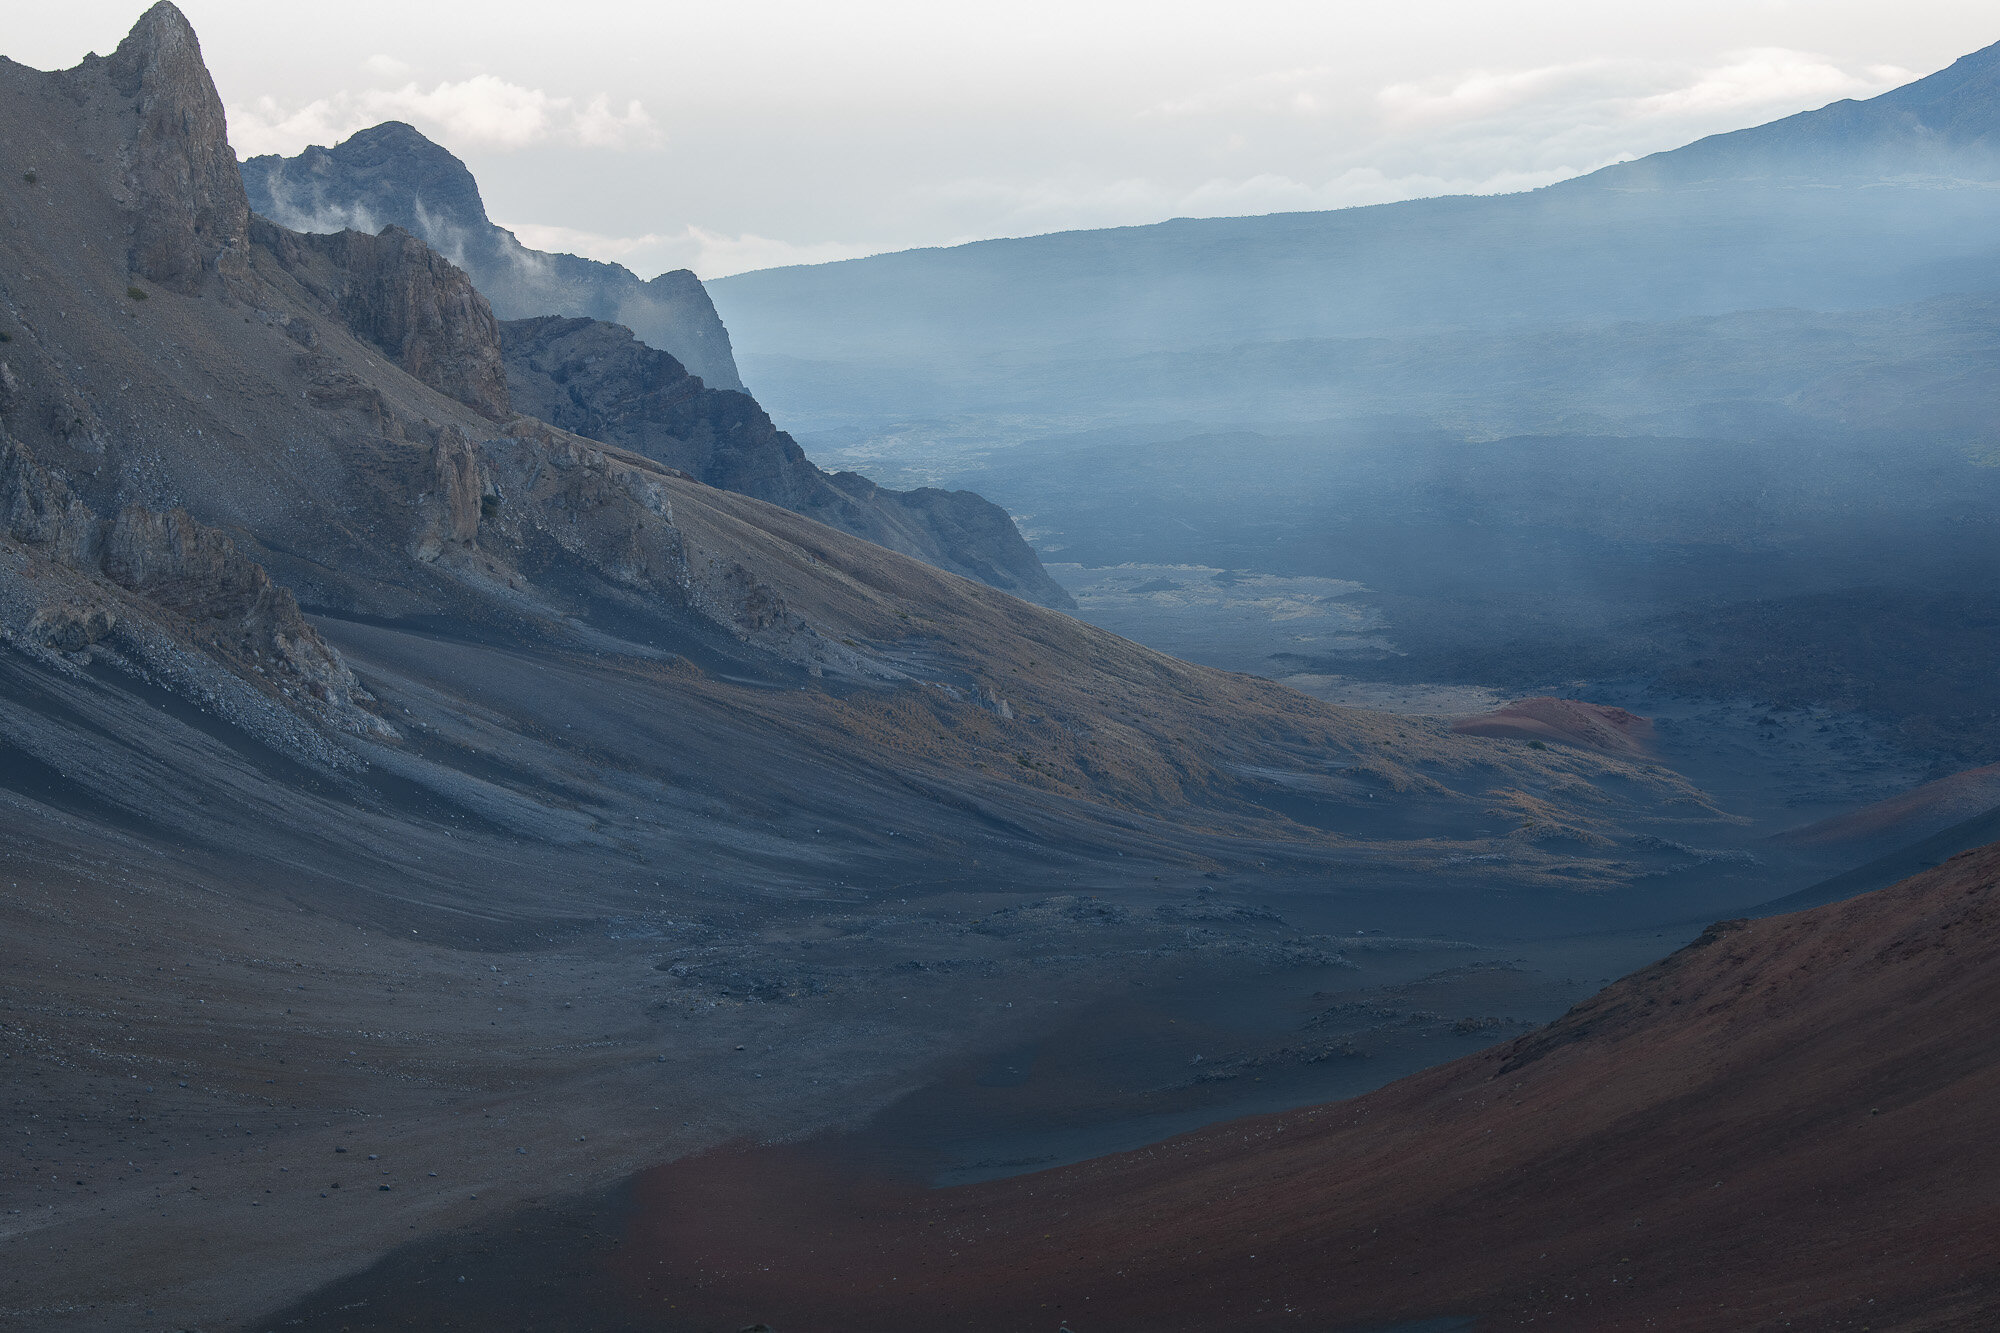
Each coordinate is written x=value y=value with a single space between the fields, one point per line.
x=1787 y=1124
x=1565 y=721
x=1914 y=815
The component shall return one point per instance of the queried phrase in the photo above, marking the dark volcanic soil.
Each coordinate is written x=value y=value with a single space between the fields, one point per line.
x=1785 y=1125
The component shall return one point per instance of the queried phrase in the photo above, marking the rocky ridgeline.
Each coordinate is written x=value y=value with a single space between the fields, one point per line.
x=588 y=347
x=185 y=198
x=598 y=380
x=394 y=493
x=391 y=175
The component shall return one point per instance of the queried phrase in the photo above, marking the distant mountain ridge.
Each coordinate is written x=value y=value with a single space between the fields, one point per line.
x=390 y=174
x=596 y=379
x=1855 y=206
x=1936 y=125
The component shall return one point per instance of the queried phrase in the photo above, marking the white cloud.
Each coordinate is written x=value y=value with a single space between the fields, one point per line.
x=387 y=67
x=1769 y=77
x=1610 y=92
x=598 y=126
x=483 y=111
x=1482 y=93
x=1305 y=91
x=710 y=254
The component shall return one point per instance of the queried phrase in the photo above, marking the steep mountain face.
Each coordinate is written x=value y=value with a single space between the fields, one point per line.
x=588 y=374
x=162 y=597
x=596 y=379
x=391 y=175
x=1784 y=1125
x=193 y=221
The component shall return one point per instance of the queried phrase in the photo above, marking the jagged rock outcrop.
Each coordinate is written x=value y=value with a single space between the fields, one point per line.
x=37 y=509
x=391 y=175
x=454 y=504
x=394 y=291
x=185 y=201
x=598 y=380
x=579 y=361
x=194 y=599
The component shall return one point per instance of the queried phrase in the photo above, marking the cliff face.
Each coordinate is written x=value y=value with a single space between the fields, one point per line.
x=397 y=293
x=188 y=214
x=571 y=363
x=391 y=175
x=596 y=379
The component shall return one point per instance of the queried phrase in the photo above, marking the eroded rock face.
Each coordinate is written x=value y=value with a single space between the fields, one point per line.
x=216 y=598
x=394 y=291
x=189 y=215
x=598 y=380
x=391 y=175
x=36 y=509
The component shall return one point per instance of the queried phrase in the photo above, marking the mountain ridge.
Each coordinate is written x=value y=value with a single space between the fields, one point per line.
x=1808 y=212
x=666 y=813
x=618 y=383
x=1932 y=125
x=391 y=174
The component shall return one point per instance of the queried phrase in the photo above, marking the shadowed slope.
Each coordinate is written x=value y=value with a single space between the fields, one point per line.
x=1785 y=1124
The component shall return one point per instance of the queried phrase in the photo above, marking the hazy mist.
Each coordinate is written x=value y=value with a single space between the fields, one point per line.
x=622 y=131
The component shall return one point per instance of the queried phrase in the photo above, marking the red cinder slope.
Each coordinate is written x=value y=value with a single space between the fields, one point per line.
x=1791 y=1123
x=1567 y=721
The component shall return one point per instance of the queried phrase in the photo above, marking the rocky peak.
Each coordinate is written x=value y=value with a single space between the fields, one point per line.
x=391 y=174
x=388 y=174
x=185 y=197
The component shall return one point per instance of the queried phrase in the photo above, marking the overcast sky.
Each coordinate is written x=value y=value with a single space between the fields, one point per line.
x=738 y=135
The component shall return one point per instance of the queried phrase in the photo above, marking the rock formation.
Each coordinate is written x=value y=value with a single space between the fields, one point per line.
x=391 y=175
x=582 y=340
x=596 y=379
x=397 y=293
x=193 y=599
x=187 y=208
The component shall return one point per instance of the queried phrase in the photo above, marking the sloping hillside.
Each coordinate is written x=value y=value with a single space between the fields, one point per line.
x=1784 y=1125
x=377 y=758
x=598 y=380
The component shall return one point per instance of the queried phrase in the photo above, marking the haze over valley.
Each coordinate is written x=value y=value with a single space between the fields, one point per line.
x=1430 y=765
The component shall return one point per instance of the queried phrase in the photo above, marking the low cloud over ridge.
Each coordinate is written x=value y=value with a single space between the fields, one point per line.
x=482 y=111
